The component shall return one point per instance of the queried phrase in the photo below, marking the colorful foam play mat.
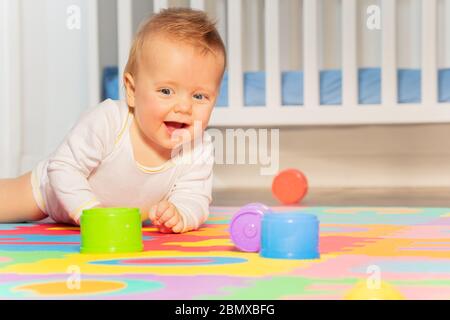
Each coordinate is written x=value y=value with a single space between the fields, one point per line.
x=366 y=253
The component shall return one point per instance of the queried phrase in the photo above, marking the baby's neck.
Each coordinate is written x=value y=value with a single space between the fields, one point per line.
x=146 y=152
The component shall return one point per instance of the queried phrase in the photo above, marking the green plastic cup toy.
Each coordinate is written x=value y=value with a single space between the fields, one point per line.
x=111 y=230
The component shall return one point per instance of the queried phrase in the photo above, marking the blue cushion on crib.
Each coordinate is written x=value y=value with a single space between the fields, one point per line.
x=292 y=88
x=330 y=87
x=369 y=81
x=444 y=85
x=408 y=86
x=369 y=86
x=110 y=83
x=222 y=100
x=254 y=89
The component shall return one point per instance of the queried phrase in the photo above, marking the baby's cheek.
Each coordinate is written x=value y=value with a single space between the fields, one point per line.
x=153 y=109
x=205 y=114
x=152 y=106
x=202 y=117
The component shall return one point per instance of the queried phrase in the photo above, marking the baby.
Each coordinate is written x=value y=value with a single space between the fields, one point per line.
x=133 y=153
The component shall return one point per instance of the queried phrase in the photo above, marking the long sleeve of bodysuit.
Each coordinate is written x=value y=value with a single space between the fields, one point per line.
x=191 y=194
x=89 y=141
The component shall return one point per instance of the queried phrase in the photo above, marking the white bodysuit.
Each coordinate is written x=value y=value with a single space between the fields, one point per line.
x=95 y=165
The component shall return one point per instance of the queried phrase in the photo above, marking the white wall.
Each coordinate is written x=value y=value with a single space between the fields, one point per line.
x=56 y=75
x=10 y=99
x=356 y=156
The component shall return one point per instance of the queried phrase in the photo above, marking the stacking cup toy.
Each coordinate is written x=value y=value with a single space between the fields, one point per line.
x=245 y=227
x=289 y=236
x=111 y=230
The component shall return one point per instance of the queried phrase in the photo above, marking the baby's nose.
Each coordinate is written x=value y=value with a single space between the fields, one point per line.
x=183 y=106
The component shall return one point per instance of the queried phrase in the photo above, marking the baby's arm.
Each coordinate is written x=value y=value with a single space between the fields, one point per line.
x=73 y=162
x=191 y=194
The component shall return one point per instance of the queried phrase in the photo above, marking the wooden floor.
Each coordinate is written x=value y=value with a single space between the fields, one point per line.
x=413 y=197
x=390 y=197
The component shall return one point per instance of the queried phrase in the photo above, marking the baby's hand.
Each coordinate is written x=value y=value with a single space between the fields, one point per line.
x=166 y=217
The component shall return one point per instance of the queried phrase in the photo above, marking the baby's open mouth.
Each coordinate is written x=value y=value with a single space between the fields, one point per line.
x=175 y=125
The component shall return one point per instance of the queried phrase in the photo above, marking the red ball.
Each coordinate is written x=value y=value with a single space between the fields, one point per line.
x=290 y=186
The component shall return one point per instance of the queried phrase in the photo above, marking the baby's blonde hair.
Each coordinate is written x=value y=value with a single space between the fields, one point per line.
x=180 y=24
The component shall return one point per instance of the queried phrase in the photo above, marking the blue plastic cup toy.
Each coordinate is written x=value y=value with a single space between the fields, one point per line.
x=290 y=236
x=245 y=227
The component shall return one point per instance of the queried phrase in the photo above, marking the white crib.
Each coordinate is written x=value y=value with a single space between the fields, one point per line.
x=312 y=113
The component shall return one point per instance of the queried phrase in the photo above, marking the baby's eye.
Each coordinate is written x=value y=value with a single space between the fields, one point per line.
x=200 y=96
x=165 y=91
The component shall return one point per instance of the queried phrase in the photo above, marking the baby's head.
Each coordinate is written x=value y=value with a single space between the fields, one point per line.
x=173 y=75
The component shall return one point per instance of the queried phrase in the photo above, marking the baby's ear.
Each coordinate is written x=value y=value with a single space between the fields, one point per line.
x=129 y=89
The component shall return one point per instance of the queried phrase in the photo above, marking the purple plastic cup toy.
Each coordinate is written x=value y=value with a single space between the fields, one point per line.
x=245 y=227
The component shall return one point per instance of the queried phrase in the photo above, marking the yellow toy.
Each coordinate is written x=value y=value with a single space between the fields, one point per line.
x=362 y=291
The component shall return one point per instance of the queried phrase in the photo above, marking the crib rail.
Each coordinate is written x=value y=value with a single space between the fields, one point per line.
x=312 y=112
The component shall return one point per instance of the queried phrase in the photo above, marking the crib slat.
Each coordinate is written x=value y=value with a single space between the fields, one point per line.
x=235 y=75
x=389 y=53
x=349 y=59
x=221 y=14
x=429 y=52
x=125 y=34
x=160 y=4
x=311 y=86
x=93 y=49
x=447 y=33
x=272 y=48
x=198 y=4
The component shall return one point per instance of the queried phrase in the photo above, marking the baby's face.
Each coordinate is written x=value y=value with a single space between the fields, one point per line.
x=176 y=86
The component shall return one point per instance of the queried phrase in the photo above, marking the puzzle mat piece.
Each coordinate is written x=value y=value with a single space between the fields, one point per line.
x=410 y=246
